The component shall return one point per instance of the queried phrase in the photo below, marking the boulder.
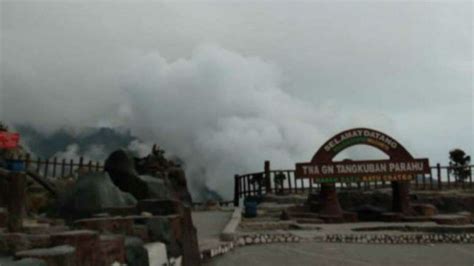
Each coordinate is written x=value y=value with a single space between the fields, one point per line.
x=135 y=252
x=156 y=188
x=162 y=229
x=121 y=167
x=177 y=178
x=93 y=193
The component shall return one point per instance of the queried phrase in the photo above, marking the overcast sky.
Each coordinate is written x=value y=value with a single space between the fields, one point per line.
x=402 y=67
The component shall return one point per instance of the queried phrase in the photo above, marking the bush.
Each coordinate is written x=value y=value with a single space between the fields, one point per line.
x=459 y=164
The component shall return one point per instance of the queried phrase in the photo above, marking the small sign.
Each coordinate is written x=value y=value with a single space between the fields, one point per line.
x=9 y=140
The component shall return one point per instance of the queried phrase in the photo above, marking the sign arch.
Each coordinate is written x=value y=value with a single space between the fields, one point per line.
x=361 y=136
x=399 y=169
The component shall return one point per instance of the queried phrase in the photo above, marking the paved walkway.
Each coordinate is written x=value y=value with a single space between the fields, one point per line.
x=323 y=254
x=209 y=225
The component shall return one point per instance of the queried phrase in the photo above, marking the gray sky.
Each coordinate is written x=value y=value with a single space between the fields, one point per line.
x=295 y=73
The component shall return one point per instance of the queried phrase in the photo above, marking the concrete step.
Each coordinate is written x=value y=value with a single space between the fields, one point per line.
x=309 y=220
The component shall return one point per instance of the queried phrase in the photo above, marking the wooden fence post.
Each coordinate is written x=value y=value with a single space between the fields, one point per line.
x=268 y=181
x=438 y=175
x=81 y=163
x=38 y=165
x=470 y=176
x=71 y=167
x=63 y=168
x=449 y=176
x=55 y=161
x=236 y=191
x=46 y=166
x=27 y=160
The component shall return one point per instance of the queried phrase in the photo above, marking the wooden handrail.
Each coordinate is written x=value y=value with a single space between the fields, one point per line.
x=436 y=180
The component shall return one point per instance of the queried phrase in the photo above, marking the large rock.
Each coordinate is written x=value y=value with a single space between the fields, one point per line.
x=135 y=252
x=93 y=193
x=121 y=167
x=177 y=178
x=157 y=188
x=166 y=229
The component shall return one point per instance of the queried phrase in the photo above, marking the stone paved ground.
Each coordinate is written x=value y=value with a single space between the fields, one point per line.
x=209 y=225
x=305 y=254
x=4 y=261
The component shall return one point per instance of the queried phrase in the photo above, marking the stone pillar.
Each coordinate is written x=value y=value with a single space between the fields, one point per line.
x=85 y=242
x=401 y=197
x=329 y=202
x=191 y=255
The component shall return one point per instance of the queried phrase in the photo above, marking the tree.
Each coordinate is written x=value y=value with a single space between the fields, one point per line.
x=459 y=164
x=278 y=180
x=3 y=127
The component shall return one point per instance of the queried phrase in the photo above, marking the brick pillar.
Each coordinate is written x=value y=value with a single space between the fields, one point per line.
x=56 y=256
x=86 y=243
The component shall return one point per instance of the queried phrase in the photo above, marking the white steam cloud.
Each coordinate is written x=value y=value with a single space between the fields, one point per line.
x=223 y=114
x=218 y=111
x=73 y=152
x=316 y=68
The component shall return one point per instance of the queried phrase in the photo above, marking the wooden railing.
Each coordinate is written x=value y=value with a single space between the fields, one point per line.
x=261 y=183
x=58 y=168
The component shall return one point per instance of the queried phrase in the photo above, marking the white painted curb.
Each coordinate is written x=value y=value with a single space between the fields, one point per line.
x=228 y=234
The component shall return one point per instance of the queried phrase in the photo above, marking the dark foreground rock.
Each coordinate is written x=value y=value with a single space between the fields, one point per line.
x=93 y=193
x=121 y=167
x=135 y=252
